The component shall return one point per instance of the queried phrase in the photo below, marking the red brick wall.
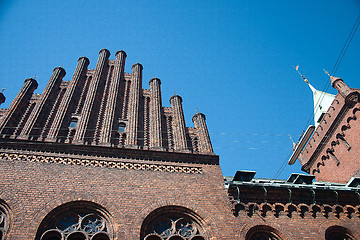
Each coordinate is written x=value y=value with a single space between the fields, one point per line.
x=33 y=189
x=326 y=168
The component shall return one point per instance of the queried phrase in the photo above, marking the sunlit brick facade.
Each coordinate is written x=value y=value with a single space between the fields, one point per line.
x=99 y=157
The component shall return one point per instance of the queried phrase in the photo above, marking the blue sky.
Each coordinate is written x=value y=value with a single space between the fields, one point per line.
x=230 y=59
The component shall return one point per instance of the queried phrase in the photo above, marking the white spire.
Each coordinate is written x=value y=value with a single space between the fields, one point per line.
x=322 y=100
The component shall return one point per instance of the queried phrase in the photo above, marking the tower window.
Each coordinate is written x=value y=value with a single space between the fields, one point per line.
x=321 y=117
x=121 y=127
x=73 y=123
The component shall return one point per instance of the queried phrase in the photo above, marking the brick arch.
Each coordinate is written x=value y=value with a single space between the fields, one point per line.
x=254 y=225
x=112 y=209
x=15 y=209
x=6 y=218
x=290 y=208
x=303 y=209
x=339 y=223
x=315 y=209
x=210 y=226
x=278 y=209
x=341 y=228
x=349 y=210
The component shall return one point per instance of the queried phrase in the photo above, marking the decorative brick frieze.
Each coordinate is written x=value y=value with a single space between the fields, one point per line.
x=107 y=152
x=119 y=163
x=289 y=210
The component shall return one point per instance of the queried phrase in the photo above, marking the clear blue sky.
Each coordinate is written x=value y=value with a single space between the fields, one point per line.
x=230 y=59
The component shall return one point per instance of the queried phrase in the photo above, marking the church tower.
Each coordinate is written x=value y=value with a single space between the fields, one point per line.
x=331 y=154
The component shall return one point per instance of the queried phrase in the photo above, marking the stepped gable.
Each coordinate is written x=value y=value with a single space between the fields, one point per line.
x=104 y=107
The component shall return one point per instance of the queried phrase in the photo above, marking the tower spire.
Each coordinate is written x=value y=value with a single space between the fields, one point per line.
x=322 y=100
x=302 y=76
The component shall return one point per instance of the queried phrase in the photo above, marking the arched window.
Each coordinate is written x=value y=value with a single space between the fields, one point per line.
x=121 y=127
x=73 y=123
x=4 y=220
x=338 y=233
x=172 y=223
x=262 y=232
x=76 y=221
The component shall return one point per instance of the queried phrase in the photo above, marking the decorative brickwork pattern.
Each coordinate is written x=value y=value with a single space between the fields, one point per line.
x=100 y=100
x=103 y=154
x=101 y=163
x=335 y=146
x=288 y=210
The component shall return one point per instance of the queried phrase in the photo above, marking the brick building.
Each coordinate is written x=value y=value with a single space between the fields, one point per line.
x=332 y=153
x=101 y=158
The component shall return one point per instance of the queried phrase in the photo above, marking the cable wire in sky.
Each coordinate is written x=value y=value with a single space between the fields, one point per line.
x=333 y=72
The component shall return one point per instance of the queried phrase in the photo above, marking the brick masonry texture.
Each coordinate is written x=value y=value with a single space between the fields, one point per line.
x=332 y=153
x=102 y=140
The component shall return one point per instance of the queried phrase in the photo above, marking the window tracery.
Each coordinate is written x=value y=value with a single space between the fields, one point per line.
x=76 y=223
x=4 y=222
x=172 y=226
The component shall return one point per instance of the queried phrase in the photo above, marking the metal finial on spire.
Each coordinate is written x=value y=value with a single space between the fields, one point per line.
x=302 y=76
x=327 y=73
x=35 y=76
x=197 y=110
x=174 y=93
x=291 y=139
x=2 y=90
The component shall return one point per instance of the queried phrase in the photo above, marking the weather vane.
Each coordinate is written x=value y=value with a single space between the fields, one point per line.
x=302 y=76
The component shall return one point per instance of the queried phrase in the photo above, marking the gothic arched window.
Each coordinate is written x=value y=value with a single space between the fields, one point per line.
x=338 y=233
x=171 y=223
x=262 y=232
x=4 y=220
x=76 y=221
